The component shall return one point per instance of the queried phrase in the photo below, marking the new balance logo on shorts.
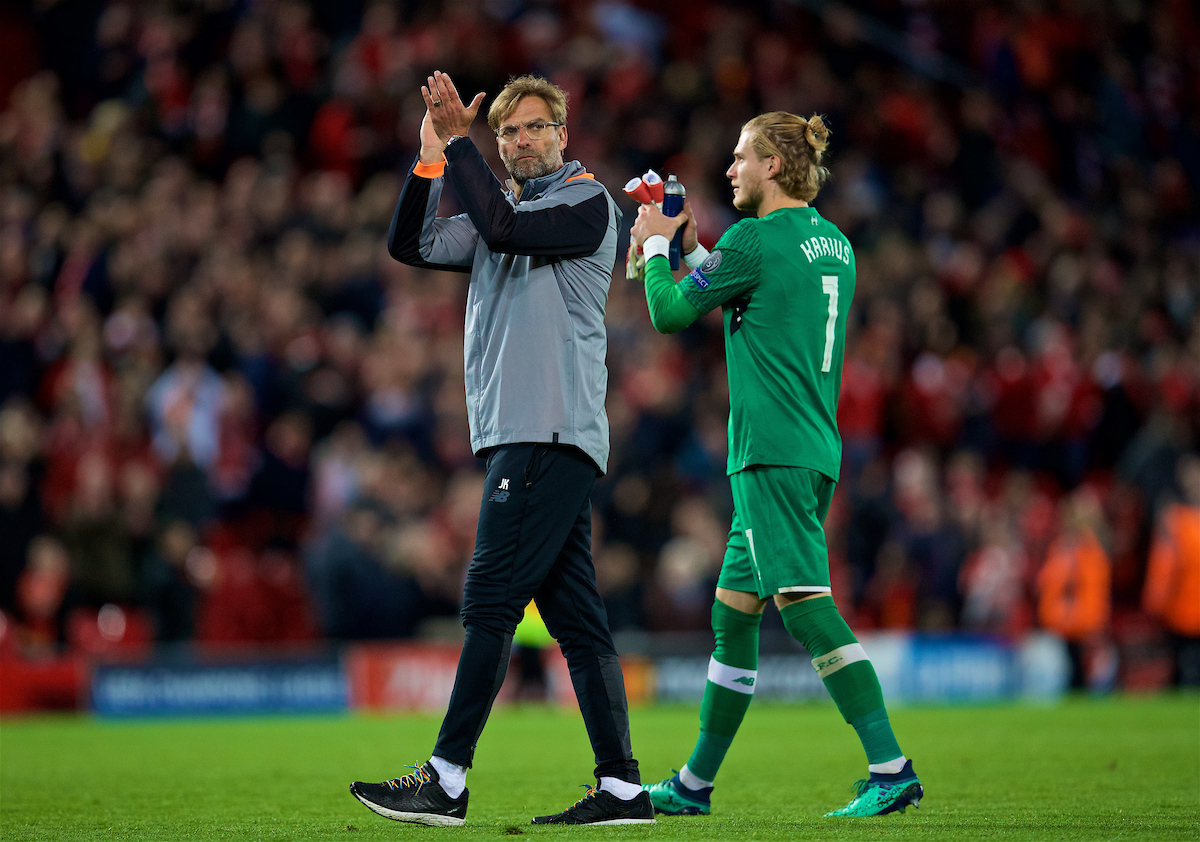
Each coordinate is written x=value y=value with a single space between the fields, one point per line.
x=500 y=495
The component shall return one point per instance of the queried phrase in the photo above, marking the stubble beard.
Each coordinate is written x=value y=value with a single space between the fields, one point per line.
x=523 y=171
x=750 y=198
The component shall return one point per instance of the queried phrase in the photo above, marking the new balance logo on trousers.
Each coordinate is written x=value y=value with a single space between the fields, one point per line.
x=500 y=495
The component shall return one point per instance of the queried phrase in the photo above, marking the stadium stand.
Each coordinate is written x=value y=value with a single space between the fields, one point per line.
x=226 y=409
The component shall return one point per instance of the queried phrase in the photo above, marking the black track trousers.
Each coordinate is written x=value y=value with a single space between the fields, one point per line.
x=534 y=542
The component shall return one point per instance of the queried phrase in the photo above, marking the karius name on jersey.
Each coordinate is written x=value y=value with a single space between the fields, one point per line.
x=815 y=247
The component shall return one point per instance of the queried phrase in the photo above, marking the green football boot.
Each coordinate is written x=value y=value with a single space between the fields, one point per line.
x=881 y=794
x=671 y=798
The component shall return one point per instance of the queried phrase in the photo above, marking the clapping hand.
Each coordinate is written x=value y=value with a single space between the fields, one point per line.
x=445 y=114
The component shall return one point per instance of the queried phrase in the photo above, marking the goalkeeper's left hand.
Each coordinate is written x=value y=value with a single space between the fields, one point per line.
x=650 y=221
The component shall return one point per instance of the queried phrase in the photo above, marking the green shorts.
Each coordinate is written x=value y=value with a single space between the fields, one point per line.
x=777 y=538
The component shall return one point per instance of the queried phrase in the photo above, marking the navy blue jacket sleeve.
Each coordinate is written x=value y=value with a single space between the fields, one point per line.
x=416 y=218
x=572 y=223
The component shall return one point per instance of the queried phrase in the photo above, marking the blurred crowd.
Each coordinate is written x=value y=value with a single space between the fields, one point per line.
x=226 y=414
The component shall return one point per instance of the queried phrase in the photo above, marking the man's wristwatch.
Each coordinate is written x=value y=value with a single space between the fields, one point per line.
x=453 y=138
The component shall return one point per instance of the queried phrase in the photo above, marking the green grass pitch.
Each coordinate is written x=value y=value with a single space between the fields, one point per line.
x=1119 y=768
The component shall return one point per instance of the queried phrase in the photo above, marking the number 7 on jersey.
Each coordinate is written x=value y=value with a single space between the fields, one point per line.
x=829 y=285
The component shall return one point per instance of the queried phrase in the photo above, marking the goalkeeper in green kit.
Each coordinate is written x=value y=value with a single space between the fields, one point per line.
x=784 y=279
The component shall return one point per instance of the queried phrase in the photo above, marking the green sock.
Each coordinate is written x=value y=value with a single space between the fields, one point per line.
x=731 y=675
x=876 y=735
x=847 y=672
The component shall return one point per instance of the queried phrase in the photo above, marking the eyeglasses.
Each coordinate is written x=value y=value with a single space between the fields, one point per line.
x=533 y=131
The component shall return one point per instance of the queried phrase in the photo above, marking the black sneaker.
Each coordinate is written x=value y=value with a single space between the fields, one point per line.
x=600 y=807
x=417 y=797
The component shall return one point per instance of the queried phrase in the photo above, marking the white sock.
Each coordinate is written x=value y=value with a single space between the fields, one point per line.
x=688 y=779
x=621 y=789
x=452 y=778
x=889 y=768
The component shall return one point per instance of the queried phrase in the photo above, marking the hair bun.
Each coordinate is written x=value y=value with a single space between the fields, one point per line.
x=798 y=143
x=816 y=134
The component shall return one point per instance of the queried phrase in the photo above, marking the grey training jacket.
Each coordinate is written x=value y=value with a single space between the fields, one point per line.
x=540 y=268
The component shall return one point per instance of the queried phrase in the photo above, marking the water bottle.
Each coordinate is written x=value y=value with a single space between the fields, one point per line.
x=673 y=196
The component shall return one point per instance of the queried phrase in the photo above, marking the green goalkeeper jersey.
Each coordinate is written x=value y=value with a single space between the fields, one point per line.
x=785 y=283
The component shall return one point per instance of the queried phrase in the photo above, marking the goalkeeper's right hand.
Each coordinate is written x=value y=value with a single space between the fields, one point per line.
x=635 y=263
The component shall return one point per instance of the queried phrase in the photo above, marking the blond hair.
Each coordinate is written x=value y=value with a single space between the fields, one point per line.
x=519 y=88
x=799 y=145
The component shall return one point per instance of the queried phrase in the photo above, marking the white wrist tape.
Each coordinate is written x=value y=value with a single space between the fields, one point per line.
x=656 y=245
x=695 y=257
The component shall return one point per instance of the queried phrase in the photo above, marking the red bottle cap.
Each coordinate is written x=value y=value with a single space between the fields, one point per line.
x=654 y=183
x=637 y=190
